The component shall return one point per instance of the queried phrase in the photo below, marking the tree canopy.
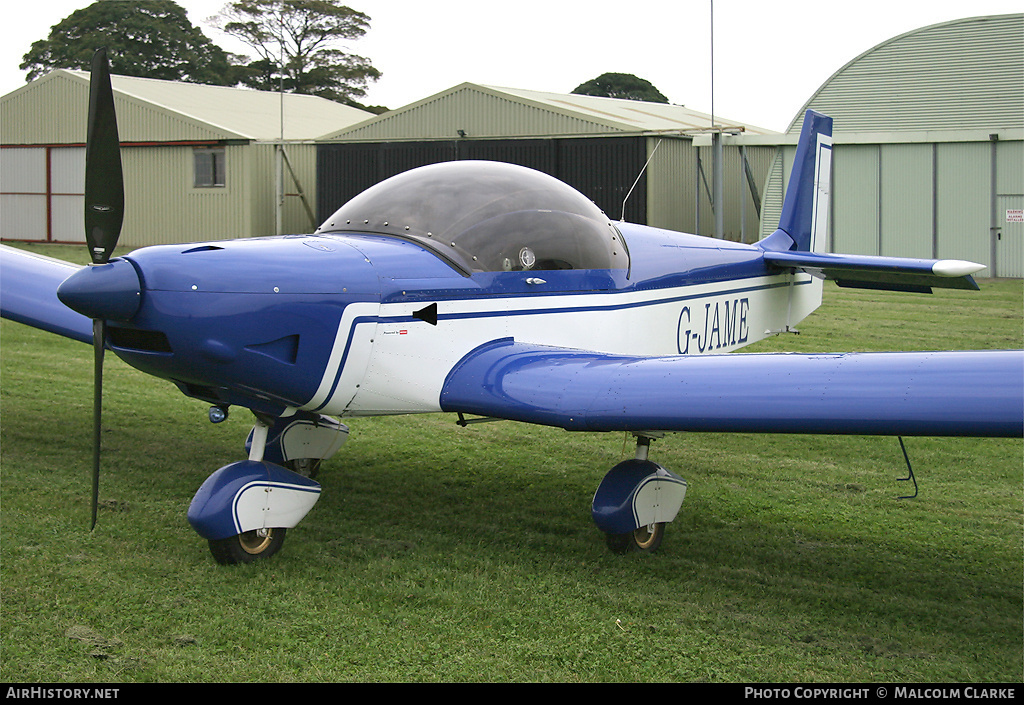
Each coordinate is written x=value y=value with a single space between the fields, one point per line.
x=621 y=85
x=296 y=43
x=152 y=39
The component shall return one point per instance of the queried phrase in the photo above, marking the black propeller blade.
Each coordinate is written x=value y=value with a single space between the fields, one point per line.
x=104 y=182
x=104 y=214
x=99 y=334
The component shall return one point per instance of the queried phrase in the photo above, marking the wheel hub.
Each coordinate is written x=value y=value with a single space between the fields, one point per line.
x=645 y=536
x=257 y=541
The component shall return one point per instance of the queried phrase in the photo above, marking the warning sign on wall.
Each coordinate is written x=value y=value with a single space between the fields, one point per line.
x=1015 y=215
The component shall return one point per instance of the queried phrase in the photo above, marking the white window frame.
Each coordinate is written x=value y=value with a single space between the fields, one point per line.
x=209 y=167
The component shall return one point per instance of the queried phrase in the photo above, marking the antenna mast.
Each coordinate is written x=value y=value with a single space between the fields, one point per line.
x=718 y=204
x=279 y=151
x=712 y=4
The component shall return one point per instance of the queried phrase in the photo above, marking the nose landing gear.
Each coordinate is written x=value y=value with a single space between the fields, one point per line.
x=245 y=509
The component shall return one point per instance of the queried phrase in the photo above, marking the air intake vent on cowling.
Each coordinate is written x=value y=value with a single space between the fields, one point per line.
x=284 y=349
x=142 y=340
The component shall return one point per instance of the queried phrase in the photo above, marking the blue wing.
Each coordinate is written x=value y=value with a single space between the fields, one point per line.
x=30 y=284
x=978 y=393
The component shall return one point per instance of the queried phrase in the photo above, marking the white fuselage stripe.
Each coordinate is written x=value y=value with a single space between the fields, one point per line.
x=386 y=360
x=336 y=363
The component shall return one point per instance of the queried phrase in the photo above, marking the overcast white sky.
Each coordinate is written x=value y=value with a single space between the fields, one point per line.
x=770 y=55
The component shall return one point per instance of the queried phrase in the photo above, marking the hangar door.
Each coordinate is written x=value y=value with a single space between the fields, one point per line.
x=1008 y=216
x=603 y=169
x=42 y=194
x=941 y=200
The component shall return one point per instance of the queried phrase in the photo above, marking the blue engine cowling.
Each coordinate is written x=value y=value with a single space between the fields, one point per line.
x=250 y=495
x=637 y=493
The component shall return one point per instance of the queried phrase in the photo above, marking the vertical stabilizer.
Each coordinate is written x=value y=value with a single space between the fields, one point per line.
x=805 y=209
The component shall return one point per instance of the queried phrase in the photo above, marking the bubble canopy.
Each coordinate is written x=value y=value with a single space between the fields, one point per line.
x=487 y=217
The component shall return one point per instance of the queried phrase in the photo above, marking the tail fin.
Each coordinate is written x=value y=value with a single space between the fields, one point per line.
x=805 y=210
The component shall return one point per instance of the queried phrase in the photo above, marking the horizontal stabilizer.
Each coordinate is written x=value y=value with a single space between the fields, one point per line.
x=871 y=272
x=978 y=393
x=30 y=284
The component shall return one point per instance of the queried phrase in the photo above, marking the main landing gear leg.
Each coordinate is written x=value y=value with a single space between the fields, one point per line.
x=635 y=500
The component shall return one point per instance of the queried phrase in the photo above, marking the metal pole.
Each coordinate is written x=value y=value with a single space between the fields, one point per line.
x=279 y=188
x=993 y=230
x=719 y=201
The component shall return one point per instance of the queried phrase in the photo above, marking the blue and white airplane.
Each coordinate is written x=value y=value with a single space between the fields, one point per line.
x=492 y=291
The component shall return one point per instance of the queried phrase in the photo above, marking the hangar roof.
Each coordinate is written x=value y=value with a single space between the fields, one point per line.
x=965 y=74
x=52 y=110
x=489 y=111
x=632 y=115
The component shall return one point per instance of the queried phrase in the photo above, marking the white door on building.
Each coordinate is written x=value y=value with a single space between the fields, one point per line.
x=42 y=194
x=1010 y=236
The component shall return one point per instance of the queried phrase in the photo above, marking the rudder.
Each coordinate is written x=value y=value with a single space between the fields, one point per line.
x=806 y=205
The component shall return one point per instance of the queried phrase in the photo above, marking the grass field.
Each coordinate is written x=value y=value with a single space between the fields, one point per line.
x=440 y=553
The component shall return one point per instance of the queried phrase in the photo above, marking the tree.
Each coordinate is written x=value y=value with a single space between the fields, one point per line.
x=152 y=39
x=621 y=85
x=296 y=45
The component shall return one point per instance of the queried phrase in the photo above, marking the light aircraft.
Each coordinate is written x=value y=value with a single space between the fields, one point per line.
x=491 y=291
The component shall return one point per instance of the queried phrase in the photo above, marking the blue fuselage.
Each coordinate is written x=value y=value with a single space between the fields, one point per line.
x=355 y=324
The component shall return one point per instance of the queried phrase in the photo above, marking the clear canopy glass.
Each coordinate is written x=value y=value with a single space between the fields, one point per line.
x=487 y=217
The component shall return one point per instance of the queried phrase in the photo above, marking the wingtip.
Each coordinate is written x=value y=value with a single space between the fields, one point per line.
x=955 y=268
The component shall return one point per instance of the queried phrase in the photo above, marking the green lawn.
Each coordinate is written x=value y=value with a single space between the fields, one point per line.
x=440 y=553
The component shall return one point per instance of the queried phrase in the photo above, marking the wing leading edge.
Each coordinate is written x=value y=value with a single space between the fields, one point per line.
x=975 y=393
x=30 y=284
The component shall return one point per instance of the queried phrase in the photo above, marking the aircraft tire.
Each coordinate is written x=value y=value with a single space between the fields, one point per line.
x=644 y=540
x=247 y=547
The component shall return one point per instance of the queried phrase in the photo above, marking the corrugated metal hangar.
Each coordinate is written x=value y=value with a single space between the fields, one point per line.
x=598 y=145
x=200 y=162
x=929 y=146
